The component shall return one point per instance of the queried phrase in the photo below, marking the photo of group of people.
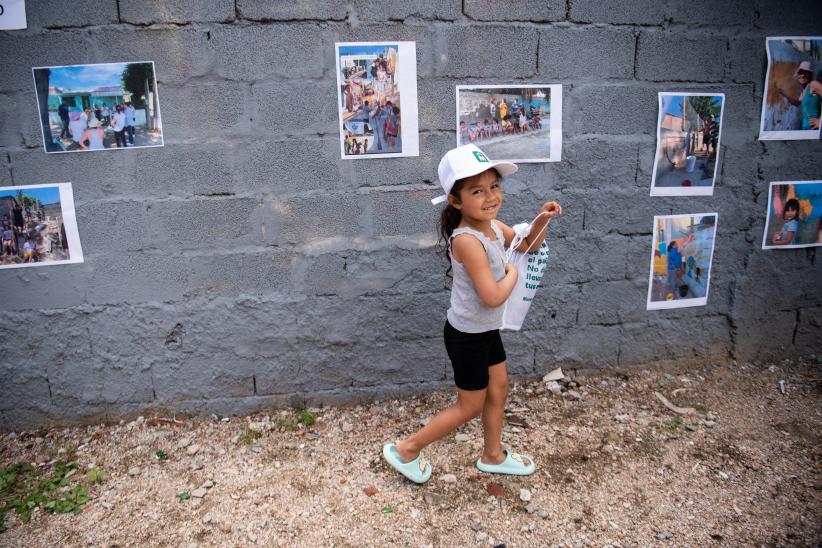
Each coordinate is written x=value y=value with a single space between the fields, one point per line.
x=512 y=123
x=682 y=251
x=37 y=226
x=377 y=99
x=688 y=135
x=792 y=100
x=98 y=107
x=794 y=215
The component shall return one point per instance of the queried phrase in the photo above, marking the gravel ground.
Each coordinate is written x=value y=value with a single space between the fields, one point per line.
x=614 y=467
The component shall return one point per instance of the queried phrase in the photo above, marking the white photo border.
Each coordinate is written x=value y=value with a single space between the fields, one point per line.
x=407 y=53
x=681 y=303
x=781 y=135
x=69 y=222
x=555 y=122
x=156 y=91
x=693 y=190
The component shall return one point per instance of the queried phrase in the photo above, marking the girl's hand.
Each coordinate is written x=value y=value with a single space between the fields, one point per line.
x=551 y=209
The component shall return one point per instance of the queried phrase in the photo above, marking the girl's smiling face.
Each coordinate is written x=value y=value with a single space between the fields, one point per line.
x=481 y=197
x=790 y=214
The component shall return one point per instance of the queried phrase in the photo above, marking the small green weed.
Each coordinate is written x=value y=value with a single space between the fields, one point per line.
x=23 y=488
x=96 y=475
x=287 y=424
x=699 y=407
x=307 y=418
x=184 y=495
x=672 y=425
x=248 y=437
x=161 y=455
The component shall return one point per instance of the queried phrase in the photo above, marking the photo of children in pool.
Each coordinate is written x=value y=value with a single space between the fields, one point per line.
x=377 y=99
x=794 y=215
x=792 y=101
x=687 y=151
x=681 y=255
x=38 y=226
x=512 y=123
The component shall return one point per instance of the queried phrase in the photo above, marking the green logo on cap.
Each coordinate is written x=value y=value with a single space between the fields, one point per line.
x=481 y=157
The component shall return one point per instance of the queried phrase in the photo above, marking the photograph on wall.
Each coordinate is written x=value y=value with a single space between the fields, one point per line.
x=512 y=123
x=39 y=227
x=12 y=14
x=688 y=132
x=98 y=107
x=794 y=215
x=377 y=99
x=793 y=88
x=683 y=247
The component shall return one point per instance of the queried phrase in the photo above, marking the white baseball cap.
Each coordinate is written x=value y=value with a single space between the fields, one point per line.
x=466 y=161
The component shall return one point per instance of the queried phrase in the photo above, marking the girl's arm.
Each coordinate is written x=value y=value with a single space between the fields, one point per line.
x=536 y=236
x=780 y=241
x=468 y=250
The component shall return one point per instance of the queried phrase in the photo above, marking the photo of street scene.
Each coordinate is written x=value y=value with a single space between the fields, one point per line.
x=794 y=215
x=512 y=123
x=687 y=144
x=377 y=99
x=98 y=107
x=792 y=100
x=38 y=226
x=683 y=247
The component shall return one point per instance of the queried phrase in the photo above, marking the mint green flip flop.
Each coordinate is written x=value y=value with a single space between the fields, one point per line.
x=417 y=470
x=514 y=464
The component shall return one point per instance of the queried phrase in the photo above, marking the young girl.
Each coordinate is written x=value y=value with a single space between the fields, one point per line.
x=483 y=280
x=790 y=216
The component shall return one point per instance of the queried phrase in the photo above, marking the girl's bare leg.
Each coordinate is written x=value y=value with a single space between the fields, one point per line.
x=469 y=405
x=493 y=414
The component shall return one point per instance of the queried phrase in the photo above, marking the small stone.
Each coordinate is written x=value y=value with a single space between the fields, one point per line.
x=207 y=518
x=710 y=416
x=208 y=484
x=723 y=475
x=709 y=424
x=256 y=449
x=107 y=505
x=573 y=395
x=449 y=478
x=691 y=427
x=622 y=419
x=347 y=427
x=524 y=495
x=140 y=420
x=664 y=535
x=183 y=443
x=544 y=514
x=435 y=499
x=259 y=427
x=462 y=437
x=192 y=450
x=225 y=419
x=370 y=490
x=252 y=537
x=481 y=536
x=134 y=471
x=425 y=421
x=197 y=466
x=531 y=508
x=199 y=493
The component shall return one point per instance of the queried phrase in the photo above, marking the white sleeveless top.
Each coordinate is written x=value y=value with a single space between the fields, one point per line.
x=467 y=312
x=94 y=139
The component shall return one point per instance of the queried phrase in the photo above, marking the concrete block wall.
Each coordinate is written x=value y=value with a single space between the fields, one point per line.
x=244 y=264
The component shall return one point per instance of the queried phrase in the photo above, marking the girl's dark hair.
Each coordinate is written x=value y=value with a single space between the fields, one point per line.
x=793 y=203
x=450 y=219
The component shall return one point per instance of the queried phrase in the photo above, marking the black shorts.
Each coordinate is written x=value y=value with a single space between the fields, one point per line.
x=471 y=355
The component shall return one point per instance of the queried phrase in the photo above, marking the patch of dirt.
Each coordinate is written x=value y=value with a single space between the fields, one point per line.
x=613 y=468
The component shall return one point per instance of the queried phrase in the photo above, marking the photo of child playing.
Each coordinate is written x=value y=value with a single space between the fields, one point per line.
x=681 y=260
x=794 y=215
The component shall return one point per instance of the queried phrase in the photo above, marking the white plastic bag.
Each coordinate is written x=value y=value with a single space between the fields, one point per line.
x=530 y=267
